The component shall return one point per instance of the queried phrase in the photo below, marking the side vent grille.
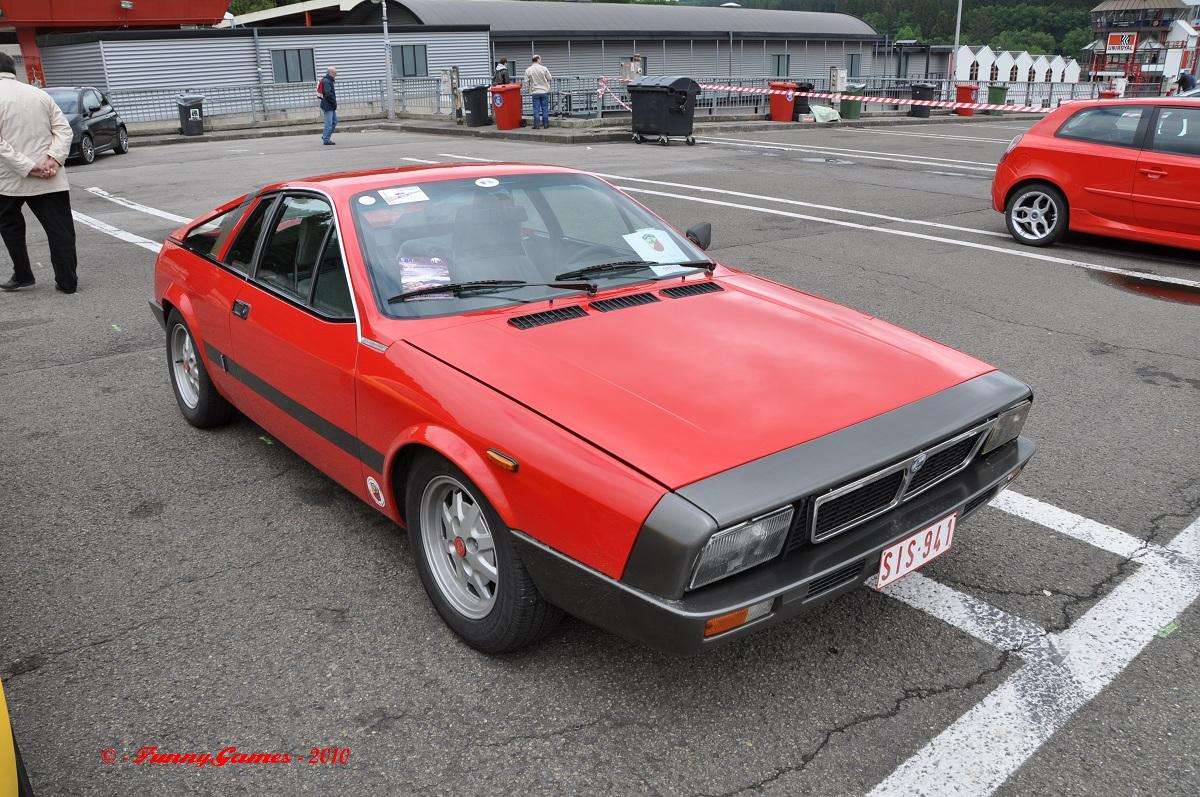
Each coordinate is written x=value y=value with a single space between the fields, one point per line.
x=547 y=317
x=835 y=579
x=621 y=302
x=692 y=289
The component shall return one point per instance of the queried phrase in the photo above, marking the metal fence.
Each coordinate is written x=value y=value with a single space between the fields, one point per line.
x=573 y=96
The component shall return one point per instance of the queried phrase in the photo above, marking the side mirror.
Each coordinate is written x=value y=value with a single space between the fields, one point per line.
x=700 y=235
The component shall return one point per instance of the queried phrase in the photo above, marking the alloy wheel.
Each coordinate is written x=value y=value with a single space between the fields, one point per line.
x=87 y=150
x=1035 y=215
x=185 y=366
x=459 y=547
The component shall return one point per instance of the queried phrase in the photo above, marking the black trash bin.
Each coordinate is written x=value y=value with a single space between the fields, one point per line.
x=664 y=107
x=800 y=107
x=475 y=106
x=921 y=91
x=191 y=114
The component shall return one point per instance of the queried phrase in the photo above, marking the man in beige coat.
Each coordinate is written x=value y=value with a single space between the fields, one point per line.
x=35 y=138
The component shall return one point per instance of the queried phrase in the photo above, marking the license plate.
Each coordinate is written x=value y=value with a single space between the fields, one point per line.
x=915 y=551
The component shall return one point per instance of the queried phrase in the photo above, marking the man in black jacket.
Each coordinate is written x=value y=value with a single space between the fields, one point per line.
x=329 y=105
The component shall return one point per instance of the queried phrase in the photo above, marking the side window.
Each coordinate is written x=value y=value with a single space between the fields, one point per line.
x=1177 y=131
x=91 y=101
x=331 y=294
x=204 y=239
x=294 y=66
x=242 y=252
x=290 y=253
x=1104 y=125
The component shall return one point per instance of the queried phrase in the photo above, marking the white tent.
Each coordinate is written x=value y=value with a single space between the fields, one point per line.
x=1041 y=69
x=1023 y=62
x=974 y=63
x=1072 y=71
x=1057 y=65
x=1003 y=67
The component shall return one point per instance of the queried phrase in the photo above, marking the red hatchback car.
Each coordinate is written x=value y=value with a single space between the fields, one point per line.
x=1128 y=168
x=571 y=407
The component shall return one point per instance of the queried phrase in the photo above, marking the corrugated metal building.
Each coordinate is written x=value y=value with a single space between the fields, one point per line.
x=144 y=60
x=590 y=39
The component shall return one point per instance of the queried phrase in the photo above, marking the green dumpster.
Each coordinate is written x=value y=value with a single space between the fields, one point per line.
x=997 y=94
x=852 y=109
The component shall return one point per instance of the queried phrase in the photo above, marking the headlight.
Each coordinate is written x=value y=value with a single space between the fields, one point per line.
x=743 y=546
x=1007 y=427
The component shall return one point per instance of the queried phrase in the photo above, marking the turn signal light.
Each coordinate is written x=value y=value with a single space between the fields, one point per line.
x=503 y=460
x=727 y=622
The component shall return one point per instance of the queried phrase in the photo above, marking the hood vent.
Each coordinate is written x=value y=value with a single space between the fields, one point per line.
x=692 y=289
x=621 y=302
x=547 y=317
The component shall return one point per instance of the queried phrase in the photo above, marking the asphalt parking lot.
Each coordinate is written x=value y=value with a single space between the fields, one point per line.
x=190 y=590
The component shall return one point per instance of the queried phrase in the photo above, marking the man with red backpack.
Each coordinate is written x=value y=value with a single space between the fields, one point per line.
x=327 y=91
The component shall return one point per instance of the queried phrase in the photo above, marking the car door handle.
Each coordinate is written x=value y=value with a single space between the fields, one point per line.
x=1153 y=174
x=241 y=309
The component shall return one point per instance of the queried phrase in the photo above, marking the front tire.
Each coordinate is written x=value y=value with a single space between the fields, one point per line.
x=468 y=564
x=122 y=145
x=198 y=399
x=87 y=150
x=1037 y=215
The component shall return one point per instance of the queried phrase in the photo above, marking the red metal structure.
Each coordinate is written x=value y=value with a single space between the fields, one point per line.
x=31 y=17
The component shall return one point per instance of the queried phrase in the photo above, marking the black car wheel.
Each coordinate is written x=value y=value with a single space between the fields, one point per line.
x=122 y=145
x=468 y=563
x=1037 y=215
x=87 y=149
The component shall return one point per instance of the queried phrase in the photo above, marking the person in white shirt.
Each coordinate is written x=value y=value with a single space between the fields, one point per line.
x=537 y=85
x=35 y=138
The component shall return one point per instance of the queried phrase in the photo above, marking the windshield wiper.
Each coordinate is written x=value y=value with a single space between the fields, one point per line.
x=616 y=267
x=460 y=289
x=627 y=266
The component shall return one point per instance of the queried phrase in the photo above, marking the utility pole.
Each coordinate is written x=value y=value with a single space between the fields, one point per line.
x=387 y=60
x=957 y=35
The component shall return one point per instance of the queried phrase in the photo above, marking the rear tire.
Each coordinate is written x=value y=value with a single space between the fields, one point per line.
x=196 y=395
x=1037 y=215
x=467 y=561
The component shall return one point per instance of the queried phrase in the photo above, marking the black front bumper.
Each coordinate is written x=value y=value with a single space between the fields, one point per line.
x=794 y=584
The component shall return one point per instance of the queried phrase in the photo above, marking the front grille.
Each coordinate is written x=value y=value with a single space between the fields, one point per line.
x=871 y=497
x=692 y=289
x=942 y=463
x=621 y=302
x=835 y=578
x=547 y=317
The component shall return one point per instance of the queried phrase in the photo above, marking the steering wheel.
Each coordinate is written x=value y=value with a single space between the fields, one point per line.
x=607 y=252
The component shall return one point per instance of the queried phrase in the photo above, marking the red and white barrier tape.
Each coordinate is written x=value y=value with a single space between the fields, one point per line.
x=973 y=106
x=604 y=89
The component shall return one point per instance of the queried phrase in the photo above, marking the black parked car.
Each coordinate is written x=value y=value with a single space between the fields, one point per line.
x=97 y=127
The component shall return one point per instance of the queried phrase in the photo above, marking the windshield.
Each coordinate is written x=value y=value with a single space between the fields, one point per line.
x=66 y=100
x=525 y=227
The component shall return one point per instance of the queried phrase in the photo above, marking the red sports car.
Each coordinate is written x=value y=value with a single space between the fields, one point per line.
x=572 y=408
x=1127 y=168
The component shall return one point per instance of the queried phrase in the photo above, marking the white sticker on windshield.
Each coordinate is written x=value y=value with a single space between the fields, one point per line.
x=656 y=246
x=487 y=182
x=403 y=195
x=366 y=200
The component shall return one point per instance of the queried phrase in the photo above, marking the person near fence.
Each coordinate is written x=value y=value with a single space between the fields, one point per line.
x=35 y=139
x=327 y=90
x=537 y=86
x=500 y=73
x=1186 y=82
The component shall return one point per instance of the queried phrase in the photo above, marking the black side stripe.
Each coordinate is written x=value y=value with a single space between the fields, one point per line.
x=334 y=434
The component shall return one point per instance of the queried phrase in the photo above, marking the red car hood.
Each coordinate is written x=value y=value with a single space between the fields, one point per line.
x=684 y=388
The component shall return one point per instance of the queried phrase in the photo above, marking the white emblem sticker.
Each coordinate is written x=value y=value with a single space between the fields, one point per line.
x=366 y=200
x=375 y=490
x=403 y=195
x=487 y=182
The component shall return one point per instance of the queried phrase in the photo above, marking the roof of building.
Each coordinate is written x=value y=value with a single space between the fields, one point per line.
x=1142 y=5
x=513 y=18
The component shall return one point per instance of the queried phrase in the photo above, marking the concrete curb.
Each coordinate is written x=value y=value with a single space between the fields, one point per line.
x=562 y=135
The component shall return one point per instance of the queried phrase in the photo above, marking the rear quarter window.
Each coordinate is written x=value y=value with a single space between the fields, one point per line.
x=207 y=237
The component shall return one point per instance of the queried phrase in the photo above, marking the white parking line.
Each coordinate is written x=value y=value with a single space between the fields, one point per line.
x=782 y=200
x=108 y=229
x=1023 y=253
x=418 y=160
x=957 y=174
x=986 y=745
x=912 y=160
x=129 y=203
x=924 y=135
x=1069 y=524
x=938 y=159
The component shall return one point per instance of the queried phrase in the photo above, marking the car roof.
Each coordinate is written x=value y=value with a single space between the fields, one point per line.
x=346 y=184
x=1137 y=101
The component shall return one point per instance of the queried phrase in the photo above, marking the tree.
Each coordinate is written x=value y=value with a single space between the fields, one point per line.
x=1074 y=41
x=1035 y=41
x=237 y=7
